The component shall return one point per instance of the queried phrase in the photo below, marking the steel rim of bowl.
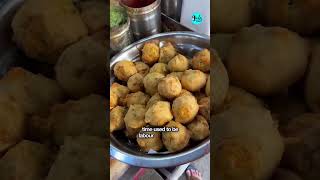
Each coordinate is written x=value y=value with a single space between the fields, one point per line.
x=164 y=160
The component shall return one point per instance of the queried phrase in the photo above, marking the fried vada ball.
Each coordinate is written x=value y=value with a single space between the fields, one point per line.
x=176 y=74
x=26 y=161
x=160 y=68
x=208 y=86
x=131 y=132
x=93 y=13
x=158 y=114
x=193 y=80
x=151 y=81
x=201 y=61
x=167 y=52
x=178 y=140
x=291 y=14
x=204 y=107
x=134 y=119
x=266 y=73
x=224 y=21
x=185 y=108
x=135 y=83
x=117 y=118
x=312 y=86
x=152 y=143
x=81 y=68
x=121 y=91
x=43 y=28
x=220 y=81
x=113 y=99
x=185 y=92
x=199 y=128
x=142 y=68
x=137 y=98
x=246 y=143
x=169 y=87
x=150 y=53
x=12 y=123
x=155 y=98
x=34 y=93
x=86 y=116
x=123 y=70
x=178 y=64
x=81 y=158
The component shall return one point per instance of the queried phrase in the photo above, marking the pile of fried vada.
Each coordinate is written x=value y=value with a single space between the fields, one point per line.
x=53 y=126
x=266 y=89
x=163 y=89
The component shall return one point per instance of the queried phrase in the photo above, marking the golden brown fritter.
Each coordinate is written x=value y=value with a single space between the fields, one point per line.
x=134 y=119
x=33 y=92
x=199 y=128
x=169 y=87
x=151 y=81
x=251 y=68
x=121 y=92
x=155 y=98
x=80 y=158
x=201 y=61
x=137 y=98
x=117 y=118
x=124 y=69
x=167 y=52
x=81 y=69
x=135 y=83
x=43 y=28
x=159 y=113
x=150 y=53
x=175 y=141
x=26 y=160
x=160 y=68
x=193 y=80
x=142 y=68
x=151 y=143
x=178 y=63
x=185 y=108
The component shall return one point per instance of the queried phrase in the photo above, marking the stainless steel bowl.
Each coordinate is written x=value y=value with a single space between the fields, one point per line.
x=187 y=43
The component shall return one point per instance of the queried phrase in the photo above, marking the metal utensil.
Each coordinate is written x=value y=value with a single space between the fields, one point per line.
x=121 y=37
x=145 y=21
x=172 y=8
x=187 y=43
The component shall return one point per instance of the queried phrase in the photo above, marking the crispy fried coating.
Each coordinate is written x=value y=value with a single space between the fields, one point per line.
x=193 y=80
x=167 y=52
x=33 y=92
x=81 y=158
x=178 y=63
x=124 y=69
x=81 y=69
x=43 y=28
x=199 y=128
x=159 y=114
x=201 y=61
x=150 y=53
x=117 y=118
x=185 y=108
x=176 y=141
x=27 y=160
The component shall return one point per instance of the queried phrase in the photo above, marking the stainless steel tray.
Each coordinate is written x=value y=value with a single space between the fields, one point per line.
x=120 y=148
